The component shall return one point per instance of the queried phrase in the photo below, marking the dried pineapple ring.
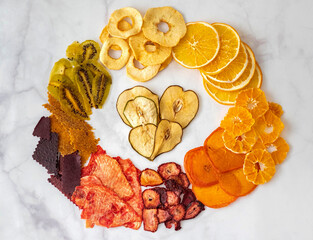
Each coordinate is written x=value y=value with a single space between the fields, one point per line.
x=114 y=25
x=175 y=21
x=144 y=52
x=107 y=60
x=141 y=75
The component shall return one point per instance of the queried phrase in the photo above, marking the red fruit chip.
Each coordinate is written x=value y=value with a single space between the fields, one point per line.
x=43 y=128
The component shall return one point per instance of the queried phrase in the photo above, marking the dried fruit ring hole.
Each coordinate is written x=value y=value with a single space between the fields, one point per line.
x=111 y=62
x=117 y=26
x=154 y=26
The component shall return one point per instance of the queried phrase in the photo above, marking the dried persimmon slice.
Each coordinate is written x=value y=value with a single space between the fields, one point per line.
x=199 y=168
x=213 y=196
x=278 y=150
x=222 y=159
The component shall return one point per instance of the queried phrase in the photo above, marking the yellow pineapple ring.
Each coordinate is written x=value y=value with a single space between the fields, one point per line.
x=174 y=20
x=114 y=25
x=110 y=62
x=141 y=75
x=146 y=56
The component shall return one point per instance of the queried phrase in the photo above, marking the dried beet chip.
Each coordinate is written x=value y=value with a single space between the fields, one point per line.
x=189 y=197
x=43 y=128
x=177 y=212
x=166 y=170
x=163 y=215
x=193 y=210
x=46 y=153
x=151 y=198
x=150 y=220
x=172 y=185
x=172 y=198
x=170 y=223
x=163 y=195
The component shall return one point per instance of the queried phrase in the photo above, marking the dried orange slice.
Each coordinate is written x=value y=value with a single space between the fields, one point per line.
x=258 y=144
x=199 y=168
x=237 y=121
x=235 y=183
x=276 y=109
x=198 y=47
x=278 y=150
x=222 y=159
x=259 y=166
x=229 y=97
x=254 y=100
x=239 y=144
x=230 y=45
x=242 y=81
x=235 y=69
x=269 y=127
x=213 y=196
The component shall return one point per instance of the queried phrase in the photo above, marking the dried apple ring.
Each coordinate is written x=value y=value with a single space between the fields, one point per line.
x=107 y=60
x=144 y=52
x=115 y=26
x=174 y=20
x=123 y=25
x=141 y=75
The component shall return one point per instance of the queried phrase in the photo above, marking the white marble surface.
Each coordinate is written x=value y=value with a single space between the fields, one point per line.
x=34 y=34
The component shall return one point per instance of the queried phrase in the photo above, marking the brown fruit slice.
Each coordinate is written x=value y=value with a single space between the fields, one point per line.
x=178 y=105
x=131 y=94
x=213 y=196
x=167 y=136
x=142 y=139
x=151 y=198
x=150 y=177
x=222 y=159
x=193 y=210
x=167 y=170
x=199 y=168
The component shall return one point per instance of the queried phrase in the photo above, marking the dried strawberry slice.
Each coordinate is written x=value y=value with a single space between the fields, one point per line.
x=189 y=197
x=151 y=198
x=172 y=185
x=150 y=177
x=150 y=220
x=177 y=212
x=181 y=179
x=194 y=209
x=166 y=170
x=163 y=195
x=43 y=128
x=163 y=215
x=170 y=223
x=172 y=198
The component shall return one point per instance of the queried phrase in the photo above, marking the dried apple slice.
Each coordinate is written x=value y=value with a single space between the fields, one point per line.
x=178 y=105
x=142 y=138
x=140 y=111
x=167 y=136
x=131 y=94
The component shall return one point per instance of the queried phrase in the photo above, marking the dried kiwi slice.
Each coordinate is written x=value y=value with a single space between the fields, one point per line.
x=62 y=67
x=74 y=52
x=100 y=88
x=140 y=111
x=55 y=83
x=141 y=139
x=132 y=93
x=91 y=50
x=167 y=136
x=178 y=105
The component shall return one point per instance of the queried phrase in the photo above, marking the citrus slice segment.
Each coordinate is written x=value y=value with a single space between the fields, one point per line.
x=213 y=196
x=276 y=109
x=198 y=47
x=237 y=121
x=259 y=166
x=258 y=144
x=235 y=183
x=269 y=127
x=239 y=144
x=222 y=159
x=242 y=81
x=278 y=150
x=235 y=69
x=229 y=97
x=229 y=49
x=254 y=100
x=199 y=168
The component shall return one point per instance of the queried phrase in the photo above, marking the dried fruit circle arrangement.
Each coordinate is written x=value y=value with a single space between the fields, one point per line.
x=239 y=155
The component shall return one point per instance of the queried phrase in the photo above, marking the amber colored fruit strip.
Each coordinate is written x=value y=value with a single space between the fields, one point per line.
x=235 y=183
x=221 y=158
x=213 y=196
x=199 y=168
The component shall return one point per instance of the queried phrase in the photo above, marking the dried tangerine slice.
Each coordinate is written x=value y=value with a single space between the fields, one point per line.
x=235 y=69
x=239 y=144
x=237 y=121
x=259 y=166
x=222 y=159
x=278 y=150
x=254 y=100
x=258 y=144
x=269 y=127
x=213 y=196
x=198 y=47
x=241 y=82
x=199 y=168
x=235 y=183
x=229 y=49
x=276 y=109
x=229 y=97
